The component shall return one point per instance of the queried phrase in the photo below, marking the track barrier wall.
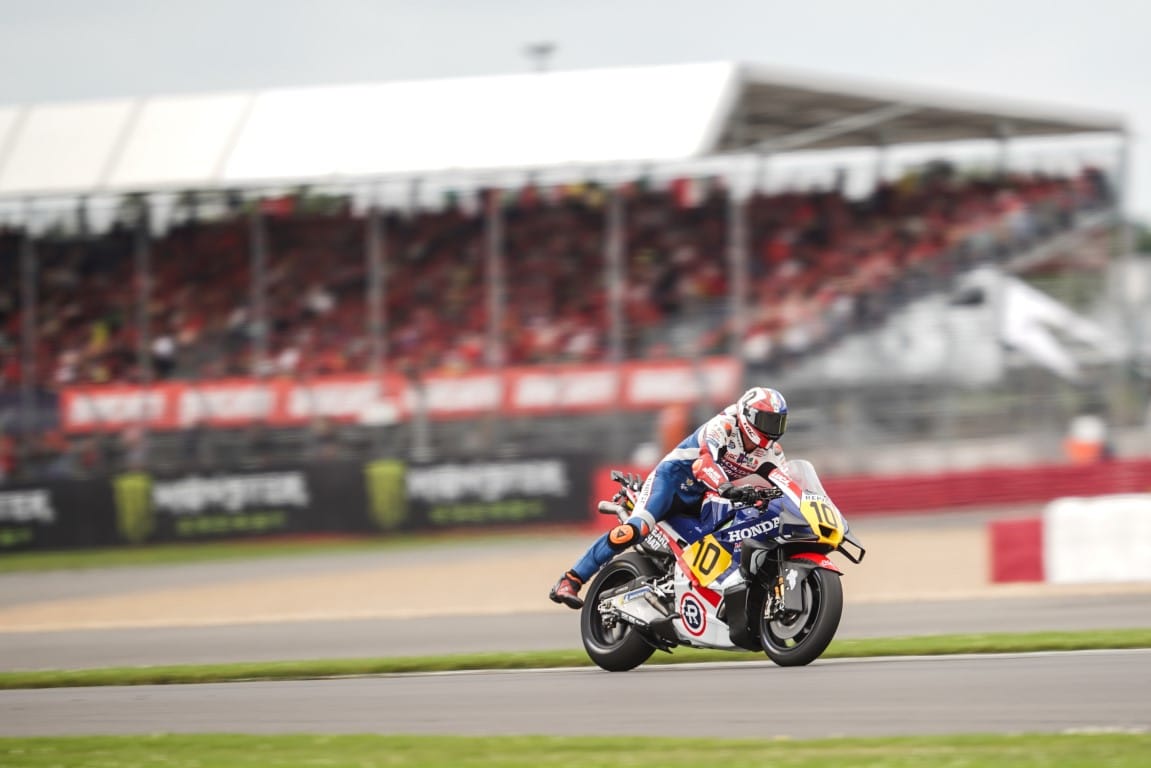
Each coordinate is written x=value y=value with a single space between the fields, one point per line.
x=395 y=496
x=1095 y=527
x=1076 y=540
x=914 y=494
x=333 y=497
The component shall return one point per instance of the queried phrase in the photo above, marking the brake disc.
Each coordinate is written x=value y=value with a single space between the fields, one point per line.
x=786 y=625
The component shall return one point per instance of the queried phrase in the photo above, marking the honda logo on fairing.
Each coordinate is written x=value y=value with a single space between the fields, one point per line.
x=752 y=531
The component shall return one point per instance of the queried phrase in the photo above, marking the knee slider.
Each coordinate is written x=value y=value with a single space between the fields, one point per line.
x=622 y=536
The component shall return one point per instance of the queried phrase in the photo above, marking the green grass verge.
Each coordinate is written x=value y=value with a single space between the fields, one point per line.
x=296 y=670
x=1116 y=750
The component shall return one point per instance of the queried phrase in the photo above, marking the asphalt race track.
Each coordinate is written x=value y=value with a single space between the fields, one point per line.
x=533 y=623
x=553 y=628
x=857 y=697
x=1048 y=692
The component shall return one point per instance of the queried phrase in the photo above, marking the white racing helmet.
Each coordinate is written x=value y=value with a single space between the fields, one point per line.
x=762 y=415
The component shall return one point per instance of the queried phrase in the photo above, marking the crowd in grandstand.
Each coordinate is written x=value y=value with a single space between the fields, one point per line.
x=819 y=262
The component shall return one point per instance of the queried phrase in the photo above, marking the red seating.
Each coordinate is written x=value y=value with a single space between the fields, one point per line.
x=814 y=257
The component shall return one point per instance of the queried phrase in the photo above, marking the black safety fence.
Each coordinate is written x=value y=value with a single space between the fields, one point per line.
x=383 y=496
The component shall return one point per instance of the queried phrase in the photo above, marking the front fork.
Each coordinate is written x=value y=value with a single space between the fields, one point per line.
x=772 y=583
x=785 y=593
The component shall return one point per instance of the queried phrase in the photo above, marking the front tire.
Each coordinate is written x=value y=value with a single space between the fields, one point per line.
x=798 y=639
x=619 y=648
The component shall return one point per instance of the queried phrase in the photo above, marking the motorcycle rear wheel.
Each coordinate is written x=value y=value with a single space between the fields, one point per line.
x=620 y=648
x=799 y=639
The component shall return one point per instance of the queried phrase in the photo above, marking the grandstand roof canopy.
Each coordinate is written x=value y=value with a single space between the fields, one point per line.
x=529 y=121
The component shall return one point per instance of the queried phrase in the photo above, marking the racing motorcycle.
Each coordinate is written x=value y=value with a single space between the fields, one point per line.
x=752 y=572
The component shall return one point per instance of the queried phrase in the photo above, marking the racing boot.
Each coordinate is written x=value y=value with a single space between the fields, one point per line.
x=566 y=591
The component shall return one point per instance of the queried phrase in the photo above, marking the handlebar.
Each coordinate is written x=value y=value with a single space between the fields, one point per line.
x=749 y=494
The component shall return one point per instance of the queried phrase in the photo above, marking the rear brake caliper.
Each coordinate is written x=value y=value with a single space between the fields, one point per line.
x=608 y=618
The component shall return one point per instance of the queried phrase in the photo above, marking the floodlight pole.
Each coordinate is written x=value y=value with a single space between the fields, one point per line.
x=540 y=54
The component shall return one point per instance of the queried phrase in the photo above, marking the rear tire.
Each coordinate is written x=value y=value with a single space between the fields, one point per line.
x=797 y=640
x=620 y=648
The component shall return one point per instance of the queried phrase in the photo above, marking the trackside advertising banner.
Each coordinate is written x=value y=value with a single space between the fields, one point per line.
x=59 y=515
x=210 y=506
x=335 y=497
x=285 y=402
x=510 y=492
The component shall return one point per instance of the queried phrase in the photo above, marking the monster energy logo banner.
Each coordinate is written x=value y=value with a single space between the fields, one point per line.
x=385 y=495
x=134 y=518
x=193 y=495
x=26 y=507
x=498 y=493
x=226 y=504
x=488 y=482
x=387 y=498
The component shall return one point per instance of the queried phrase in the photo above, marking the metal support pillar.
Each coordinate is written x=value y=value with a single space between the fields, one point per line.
x=143 y=267
x=376 y=254
x=494 y=270
x=29 y=341
x=615 y=276
x=376 y=247
x=738 y=271
x=882 y=157
x=762 y=172
x=615 y=281
x=257 y=280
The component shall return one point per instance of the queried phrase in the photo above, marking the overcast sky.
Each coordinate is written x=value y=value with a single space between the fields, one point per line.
x=1082 y=53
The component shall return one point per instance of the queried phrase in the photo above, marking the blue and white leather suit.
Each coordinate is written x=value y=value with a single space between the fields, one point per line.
x=711 y=455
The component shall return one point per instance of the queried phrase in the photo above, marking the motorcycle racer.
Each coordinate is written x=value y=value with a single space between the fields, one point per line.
x=736 y=447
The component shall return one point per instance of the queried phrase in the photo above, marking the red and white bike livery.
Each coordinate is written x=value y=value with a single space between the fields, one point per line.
x=750 y=573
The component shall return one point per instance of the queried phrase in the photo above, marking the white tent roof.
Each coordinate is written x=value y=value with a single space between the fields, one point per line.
x=536 y=120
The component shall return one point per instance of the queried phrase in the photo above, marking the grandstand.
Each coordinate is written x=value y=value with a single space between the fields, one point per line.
x=383 y=239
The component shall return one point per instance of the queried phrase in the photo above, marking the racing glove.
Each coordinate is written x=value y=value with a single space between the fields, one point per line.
x=737 y=493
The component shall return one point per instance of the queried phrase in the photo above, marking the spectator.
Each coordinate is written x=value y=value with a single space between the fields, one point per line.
x=164 y=355
x=901 y=239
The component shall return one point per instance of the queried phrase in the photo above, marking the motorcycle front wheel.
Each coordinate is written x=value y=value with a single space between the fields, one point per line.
x=617 y=648
x=796 y=638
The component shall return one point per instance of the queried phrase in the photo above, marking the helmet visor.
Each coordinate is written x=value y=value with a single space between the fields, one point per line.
x=771 y=424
